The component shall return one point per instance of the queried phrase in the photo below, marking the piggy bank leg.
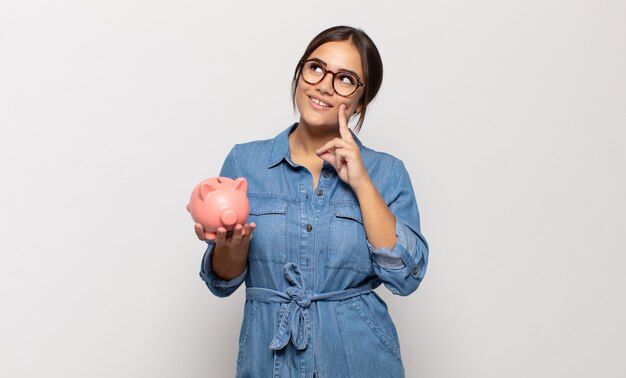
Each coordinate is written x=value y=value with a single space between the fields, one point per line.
x=210 y=235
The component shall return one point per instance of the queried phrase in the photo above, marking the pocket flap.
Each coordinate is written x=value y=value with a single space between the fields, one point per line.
x=349 y=211
x=266 y=205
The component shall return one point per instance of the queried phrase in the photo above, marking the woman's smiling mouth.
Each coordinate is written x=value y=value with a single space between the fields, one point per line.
x=319 y=104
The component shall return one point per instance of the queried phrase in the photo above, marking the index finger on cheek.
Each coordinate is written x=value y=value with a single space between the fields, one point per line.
x=341 y=115
x=343 y=123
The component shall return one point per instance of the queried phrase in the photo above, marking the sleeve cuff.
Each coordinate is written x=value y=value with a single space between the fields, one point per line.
x=206 y=273
x=399 y=256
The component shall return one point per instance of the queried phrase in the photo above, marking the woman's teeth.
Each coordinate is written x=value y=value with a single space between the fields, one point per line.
x=320 y=103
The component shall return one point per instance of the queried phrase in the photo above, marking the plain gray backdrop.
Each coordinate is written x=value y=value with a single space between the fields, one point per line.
x=509 y=116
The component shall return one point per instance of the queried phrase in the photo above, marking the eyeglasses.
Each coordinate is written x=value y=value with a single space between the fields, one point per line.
x=344 y=83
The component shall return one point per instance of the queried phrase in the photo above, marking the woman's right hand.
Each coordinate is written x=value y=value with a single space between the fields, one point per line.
x=236 y=241
x=231 y=249
x=239 y=235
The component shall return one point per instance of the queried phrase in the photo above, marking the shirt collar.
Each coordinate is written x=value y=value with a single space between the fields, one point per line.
x=280 y=146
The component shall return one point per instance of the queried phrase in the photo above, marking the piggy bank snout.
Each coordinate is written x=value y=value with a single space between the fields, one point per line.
x=228 y=217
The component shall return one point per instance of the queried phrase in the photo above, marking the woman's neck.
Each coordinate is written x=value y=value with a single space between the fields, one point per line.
x=305 y=140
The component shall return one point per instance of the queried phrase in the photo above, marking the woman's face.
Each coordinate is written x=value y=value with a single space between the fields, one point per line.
x=319 y=104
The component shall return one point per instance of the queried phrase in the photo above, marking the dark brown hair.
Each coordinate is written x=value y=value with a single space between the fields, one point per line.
x=370 y=59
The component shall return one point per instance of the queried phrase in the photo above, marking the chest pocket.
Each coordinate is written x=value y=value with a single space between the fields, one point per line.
x=347 y=246
x=268 y=241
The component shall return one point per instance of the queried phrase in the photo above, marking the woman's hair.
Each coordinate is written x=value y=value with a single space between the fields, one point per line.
x=370 y=59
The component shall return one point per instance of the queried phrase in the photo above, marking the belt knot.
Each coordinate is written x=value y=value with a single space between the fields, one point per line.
x=297 y=295
x=294 y=321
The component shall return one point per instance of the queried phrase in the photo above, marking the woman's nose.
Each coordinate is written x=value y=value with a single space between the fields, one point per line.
x=326 y=85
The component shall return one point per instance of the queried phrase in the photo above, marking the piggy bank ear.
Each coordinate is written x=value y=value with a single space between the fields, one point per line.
x=241 y=184
x=205 y=189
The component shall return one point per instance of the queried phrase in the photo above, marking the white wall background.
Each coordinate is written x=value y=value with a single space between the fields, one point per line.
x=509 y=115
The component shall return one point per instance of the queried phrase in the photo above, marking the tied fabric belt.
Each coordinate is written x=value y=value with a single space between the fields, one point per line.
x=294 y=321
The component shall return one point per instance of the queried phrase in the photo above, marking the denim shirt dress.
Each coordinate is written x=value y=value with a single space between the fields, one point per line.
x=310 y=305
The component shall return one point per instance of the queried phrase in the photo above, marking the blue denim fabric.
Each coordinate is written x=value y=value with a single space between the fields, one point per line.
x=311 y=271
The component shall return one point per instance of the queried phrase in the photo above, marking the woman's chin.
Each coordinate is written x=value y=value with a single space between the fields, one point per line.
x=319 y=125
x=319 y=121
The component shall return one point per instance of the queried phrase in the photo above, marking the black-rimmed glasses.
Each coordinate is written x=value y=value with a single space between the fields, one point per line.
x=344 y=83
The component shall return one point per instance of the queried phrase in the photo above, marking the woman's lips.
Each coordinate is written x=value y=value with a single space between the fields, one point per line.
x=319 y=104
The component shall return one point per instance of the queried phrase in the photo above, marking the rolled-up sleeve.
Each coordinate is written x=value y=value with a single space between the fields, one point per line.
x=402 y=268
x=218 y=286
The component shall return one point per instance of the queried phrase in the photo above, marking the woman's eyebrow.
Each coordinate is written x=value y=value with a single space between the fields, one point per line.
x=340 y=70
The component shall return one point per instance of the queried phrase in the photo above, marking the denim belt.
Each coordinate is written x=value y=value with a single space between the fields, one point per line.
x=294 y=321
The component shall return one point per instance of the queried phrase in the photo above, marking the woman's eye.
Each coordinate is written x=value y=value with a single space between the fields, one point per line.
x=316 y=68
x=348 y=79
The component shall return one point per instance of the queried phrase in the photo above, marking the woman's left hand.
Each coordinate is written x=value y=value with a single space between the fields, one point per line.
x=344 y=155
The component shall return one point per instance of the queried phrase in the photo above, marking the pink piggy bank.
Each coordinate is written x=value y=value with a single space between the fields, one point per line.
x=219 y=202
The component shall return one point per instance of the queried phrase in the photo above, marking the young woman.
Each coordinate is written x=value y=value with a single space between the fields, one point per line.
x=331 y=219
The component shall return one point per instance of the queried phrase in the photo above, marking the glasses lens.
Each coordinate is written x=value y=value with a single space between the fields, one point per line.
x=313 y=72
x=345 y=84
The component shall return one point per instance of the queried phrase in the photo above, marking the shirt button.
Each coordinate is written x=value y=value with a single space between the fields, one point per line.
x=309 y=228
x=320 y=192
x=326 y=174
x=415 y=270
